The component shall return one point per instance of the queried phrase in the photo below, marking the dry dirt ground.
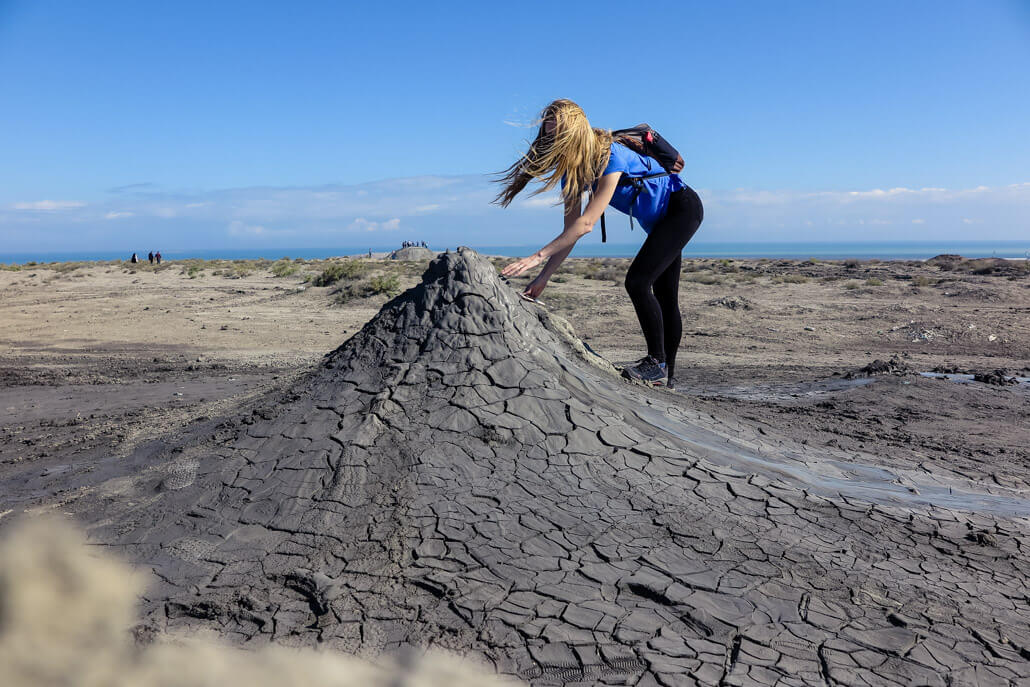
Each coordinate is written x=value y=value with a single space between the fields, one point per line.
x=106 y=355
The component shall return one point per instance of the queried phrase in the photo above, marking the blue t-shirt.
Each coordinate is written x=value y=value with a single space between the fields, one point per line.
x=653 y=201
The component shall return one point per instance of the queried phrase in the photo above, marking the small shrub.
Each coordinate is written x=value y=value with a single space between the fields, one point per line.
x=920 y=280
x=795 y=279
x=387 y=284
x=851 y=263
x=873 y=281
x=351 y=269
x=65 y=267
x=285 y=268
x=851 y=285
x=238 y=270
x=605 y=274
x=981 y=266
x=706 y=278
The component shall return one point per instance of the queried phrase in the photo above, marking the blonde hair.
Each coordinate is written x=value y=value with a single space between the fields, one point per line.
x=573 y=150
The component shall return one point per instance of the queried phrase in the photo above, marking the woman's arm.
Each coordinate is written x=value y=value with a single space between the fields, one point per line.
x=577 y=225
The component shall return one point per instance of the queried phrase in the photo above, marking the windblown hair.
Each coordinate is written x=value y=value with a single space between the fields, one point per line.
x=574 y=150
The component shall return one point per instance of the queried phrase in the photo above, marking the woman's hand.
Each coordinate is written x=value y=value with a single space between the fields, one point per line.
x=536 y=287
x=519 y=266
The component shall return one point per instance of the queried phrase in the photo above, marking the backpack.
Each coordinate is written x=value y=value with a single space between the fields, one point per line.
x=644 y=140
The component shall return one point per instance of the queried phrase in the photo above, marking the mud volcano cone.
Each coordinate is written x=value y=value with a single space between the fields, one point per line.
x=463 y=473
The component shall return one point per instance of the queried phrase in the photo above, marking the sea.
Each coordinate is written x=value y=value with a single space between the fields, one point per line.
x=862 y=250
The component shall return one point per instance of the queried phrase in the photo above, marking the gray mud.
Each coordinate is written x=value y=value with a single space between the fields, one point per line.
x=462 y=474
x=787 y=391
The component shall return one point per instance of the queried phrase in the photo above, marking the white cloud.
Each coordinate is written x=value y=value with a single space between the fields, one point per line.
x=522 y=125
x=362 y=224
x=457 y=210
x=541 y=201
x=238 y=228
x=49 y=205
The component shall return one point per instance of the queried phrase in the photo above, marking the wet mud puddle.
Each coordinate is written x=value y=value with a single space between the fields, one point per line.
x=826 y=476
x=775 y=392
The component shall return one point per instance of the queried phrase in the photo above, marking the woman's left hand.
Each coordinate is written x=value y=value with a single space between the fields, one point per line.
x=536 y=287
x=519 y=266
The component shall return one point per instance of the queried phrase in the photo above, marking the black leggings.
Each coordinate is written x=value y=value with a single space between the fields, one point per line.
x=654 y=277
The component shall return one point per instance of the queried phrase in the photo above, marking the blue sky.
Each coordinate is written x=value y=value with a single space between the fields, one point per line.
x=199 y=125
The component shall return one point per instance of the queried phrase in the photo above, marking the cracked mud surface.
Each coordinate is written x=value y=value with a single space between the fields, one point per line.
x=462 y=474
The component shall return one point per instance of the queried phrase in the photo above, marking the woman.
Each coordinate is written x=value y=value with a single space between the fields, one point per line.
x=567 y=150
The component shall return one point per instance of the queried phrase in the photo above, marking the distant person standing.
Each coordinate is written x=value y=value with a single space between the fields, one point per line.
x=134 y=259
x=150 y=257
x=157 y=256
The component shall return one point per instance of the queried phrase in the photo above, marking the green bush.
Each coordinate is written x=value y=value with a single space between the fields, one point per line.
x=285 y=268
x=873 y=281
x=388 y=284
x=352 y=269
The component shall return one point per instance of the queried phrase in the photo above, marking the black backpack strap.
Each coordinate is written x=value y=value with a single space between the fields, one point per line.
x=638 y=187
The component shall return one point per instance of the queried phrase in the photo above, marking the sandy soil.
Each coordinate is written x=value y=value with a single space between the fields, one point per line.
x=104 y=356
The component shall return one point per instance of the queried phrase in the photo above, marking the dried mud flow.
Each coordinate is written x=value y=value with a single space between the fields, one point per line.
x=464 y=473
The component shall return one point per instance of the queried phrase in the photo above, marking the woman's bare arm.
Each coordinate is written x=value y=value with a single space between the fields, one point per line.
x=577 y=225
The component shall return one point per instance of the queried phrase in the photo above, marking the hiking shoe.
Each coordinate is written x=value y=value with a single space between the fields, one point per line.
x=647 y=370
x=671 y=383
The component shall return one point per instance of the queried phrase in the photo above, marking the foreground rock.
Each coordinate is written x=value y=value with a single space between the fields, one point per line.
x=460 y=473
